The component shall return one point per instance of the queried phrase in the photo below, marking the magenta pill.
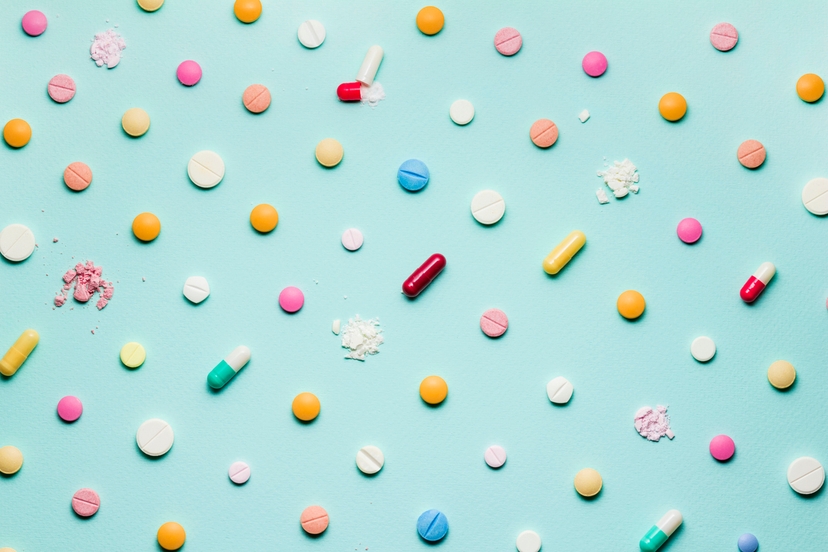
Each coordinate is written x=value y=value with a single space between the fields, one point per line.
x=722 y=448
x=86 y=502
x=689 y=230
x=69 y=408
x=494 y=322
x=291 y=299
x=508 y=41
x=594 y=64
x=495 y=456
x=189 y=73
x=724 y=37
x=61 y=88
x=34 y=23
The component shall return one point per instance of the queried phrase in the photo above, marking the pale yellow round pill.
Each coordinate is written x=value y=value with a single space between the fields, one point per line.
x=150 y=5
x=11 y=459
x=588 y=482
x=329 y=152
x=136 y=122
x=7 y=550
x=781 y=374
x=133 y=354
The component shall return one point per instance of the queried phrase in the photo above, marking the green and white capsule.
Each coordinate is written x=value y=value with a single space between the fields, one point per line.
x=227 y=368
x=661 y=531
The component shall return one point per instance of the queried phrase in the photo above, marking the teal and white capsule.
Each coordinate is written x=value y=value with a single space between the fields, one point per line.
x=661 y=531
x=227 y=368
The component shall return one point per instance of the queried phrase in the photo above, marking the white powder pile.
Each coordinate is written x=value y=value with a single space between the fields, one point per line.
x=621 y=178
x=106 y=48
x=372 y=95
x=361 y=337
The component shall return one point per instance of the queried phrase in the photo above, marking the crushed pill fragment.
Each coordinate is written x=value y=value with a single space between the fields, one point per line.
x=621 y=178
x=602 y=196
x=653 y=424
x=106 y=49
x=361 y=337
x=336 y=326
x=372 y=95
x=583 y=116
x=87 y=280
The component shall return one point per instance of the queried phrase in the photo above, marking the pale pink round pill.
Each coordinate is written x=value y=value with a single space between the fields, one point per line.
x=189 y=72
x=594 y=64
x=239 y=473
x=724 y=37
x=352 y=239
x=61 y=88
x=494 y=322
x=722 y=447
x=291 y=299
x=689 y=230
x=508 y=41
x=34 y=23
x=86 y=502
x=69 y=408
x=495 y=456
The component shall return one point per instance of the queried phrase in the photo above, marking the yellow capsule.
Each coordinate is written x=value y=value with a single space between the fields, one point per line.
x=19 y=352
x=563 y=252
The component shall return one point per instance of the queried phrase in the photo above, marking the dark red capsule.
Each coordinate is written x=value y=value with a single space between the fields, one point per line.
x=349 y=91
x=423 y=276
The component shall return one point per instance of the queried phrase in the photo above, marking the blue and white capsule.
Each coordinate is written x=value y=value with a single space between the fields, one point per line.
x=229 y=367
x=661 y=531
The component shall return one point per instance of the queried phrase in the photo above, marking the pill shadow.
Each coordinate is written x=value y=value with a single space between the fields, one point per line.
x=80 y=517
x=728 y=461
x=810 y=496
x=433 y=543
x=148 y=457
x=590 y=498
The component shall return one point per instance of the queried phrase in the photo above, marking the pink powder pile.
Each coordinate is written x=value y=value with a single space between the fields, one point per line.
x=88 y=281
x=106 y=48
x=653 y=424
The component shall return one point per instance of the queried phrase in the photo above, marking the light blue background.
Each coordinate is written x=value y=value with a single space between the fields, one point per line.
x=565 y=325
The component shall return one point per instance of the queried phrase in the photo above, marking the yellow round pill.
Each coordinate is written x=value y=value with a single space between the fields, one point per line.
x=133 y=354
x=329 y=152
x=6 y=549
x=672 y=106
x=146 y=227
x=306 y=406
x=150 y=5
x=17 y=133
x=433 y=389
x=11 y=460
x=264 y=218
x=588 y=482
x=810 y=87
x=631 y=304
x=781 y=374
x=430 y=20
x=136 y=122
x=171 y=536
x=247 y=11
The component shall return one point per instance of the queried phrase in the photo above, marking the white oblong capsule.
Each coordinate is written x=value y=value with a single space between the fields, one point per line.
x=765 y=272
x=670 y=522
x=370 y=65
x=238 y=358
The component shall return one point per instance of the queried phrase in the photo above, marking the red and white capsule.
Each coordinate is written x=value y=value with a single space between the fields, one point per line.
x=755 y=285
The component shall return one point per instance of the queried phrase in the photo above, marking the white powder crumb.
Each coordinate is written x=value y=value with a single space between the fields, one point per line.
x=602 y=196
x=361 y=337
x=621 y=192
x=106 y=48
x=54 y=240
x=634 y=188
x=620 y=177
x=372 y=95
x=584 y=115
x=335 y=327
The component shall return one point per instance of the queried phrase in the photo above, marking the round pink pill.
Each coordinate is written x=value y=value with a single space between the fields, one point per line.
x=189 y=72
x=69 y=408
x=494 y=323
x=722 y=447
x=594 y=64
x=291 y=299
x=724 y=37
x=239 y=473
x=61 y=88
x=508 y=41
x=495 y=456
x=86 y=502
x=34 y=23
x=689 y=230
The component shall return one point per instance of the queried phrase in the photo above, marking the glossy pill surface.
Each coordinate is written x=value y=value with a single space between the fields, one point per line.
x=423 y=276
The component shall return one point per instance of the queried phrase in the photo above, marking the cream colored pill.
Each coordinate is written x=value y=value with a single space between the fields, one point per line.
x=488 y=207
x=370 y=460
x=559 y=390
x=528 y=541
x=311 y=34
x=155 y=437
x=196 y=289
x=781 y=374
x=815 y=196
x=206 y=169
x=703 y=348
x=133 y=354
x=806 y=475
x=461 y=112
x=17 y=242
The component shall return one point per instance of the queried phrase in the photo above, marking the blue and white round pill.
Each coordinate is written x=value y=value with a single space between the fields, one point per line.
x=413 y=175
x=432 y=525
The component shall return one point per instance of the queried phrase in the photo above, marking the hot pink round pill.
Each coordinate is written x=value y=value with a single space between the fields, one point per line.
x=291 y=299
x=495 y=456
x=69 y=408
x=689 y=230
x=508 y=41
x=189 y=72
x=722 y=447
x=594 y=64
x=34 y=23
x=61 y=88
x=494 y=322
x=724 y=37
x=86 y=502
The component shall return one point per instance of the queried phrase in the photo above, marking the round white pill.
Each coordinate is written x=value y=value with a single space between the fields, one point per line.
x=16 y=242
x=155 y=437
x=559 y=390
x=352 y=239
x=815 y=196
x=461 y=112
x=206 y=169
x=239 y=473
x=196 y=289
x=369 y=460
x=495 y=456
x=487 y=207
x=806 y=475
x=311 y=33
x=528 y=541
x=703 y=348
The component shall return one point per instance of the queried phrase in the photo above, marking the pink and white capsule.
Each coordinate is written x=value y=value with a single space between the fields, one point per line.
x=755 y=285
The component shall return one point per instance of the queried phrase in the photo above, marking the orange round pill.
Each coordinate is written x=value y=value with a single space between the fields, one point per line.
x=672 y=106
x=306 y=407
x=433 y=389
x=171 y=536
x=631 y=304
x=314 y=520
x=256 y=98
x=751 y=154
x=247 y=11
x=543 y=133
x=264 y=218
x=146 y=227
x=430 y=20
x=77 y=176
x=17 y=133
x=810 y=87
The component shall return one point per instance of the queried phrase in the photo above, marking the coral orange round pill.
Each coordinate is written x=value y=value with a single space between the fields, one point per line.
x=247 y=11
x=146 y=227
x=631 y=304
x=306 y=406
x=17 y=133
x=672 y=106
x=264 y=218
x=171 y=536
x=433 y=389
x=810 y=87
x=430 y=20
